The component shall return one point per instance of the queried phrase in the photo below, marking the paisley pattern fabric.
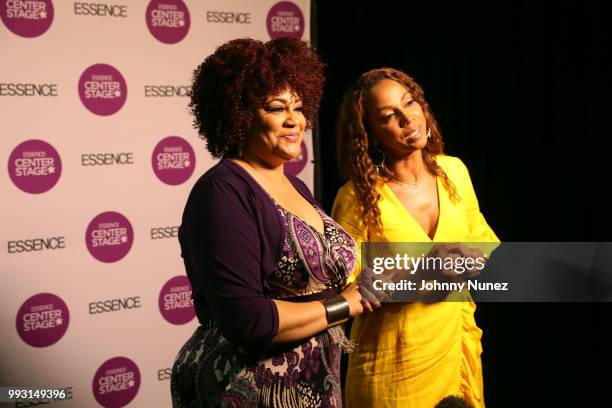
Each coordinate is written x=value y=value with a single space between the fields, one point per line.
x=211 y=372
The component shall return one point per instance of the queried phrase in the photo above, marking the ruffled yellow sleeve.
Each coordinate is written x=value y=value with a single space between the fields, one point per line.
x=347 y=212
x=479 y=229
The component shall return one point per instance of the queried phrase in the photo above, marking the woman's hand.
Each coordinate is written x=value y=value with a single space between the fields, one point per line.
x=353 y=297
x=358 y=303
x=456 y=251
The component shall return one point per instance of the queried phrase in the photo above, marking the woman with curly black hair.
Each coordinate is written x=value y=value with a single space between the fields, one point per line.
x=267 y=266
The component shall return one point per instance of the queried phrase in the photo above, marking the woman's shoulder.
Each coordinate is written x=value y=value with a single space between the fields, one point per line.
x=225 y=183
x=348 y=188
x=224 y=173
x=450 y=162
x=453 y=166
x=346 y=191
x=346 y=200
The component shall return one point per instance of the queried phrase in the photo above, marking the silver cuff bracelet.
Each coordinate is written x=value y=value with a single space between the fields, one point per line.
x=337 y=309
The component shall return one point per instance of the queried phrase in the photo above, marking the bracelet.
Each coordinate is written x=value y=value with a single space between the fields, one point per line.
x=337 y=309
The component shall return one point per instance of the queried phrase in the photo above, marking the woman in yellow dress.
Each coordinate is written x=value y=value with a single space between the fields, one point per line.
x=402 y=188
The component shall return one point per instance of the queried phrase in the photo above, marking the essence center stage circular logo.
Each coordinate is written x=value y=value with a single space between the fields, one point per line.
x=102 y=89
x=34 y=166
x=285 y=19
x=116 y=382
x=168 y=20
x=27 y=18
x=42 y=320
x=173 y=160
x=109 y=237
x=175 y=301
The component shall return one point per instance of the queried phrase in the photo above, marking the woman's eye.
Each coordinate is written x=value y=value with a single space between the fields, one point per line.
x=299 y=109
x=388 y=117
x=275 y=108
x=409 y=102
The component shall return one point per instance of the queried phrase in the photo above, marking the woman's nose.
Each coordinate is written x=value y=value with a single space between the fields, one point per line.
x=405 y=119
x=290 y=119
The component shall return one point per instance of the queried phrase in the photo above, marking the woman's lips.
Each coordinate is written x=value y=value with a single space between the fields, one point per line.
x=413 y=135
x=291 y=137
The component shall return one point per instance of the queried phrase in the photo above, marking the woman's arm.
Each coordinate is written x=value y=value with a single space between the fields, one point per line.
x=223 y=242
x=301 y=320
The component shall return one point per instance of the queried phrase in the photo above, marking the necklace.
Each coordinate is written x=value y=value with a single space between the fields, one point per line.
x=407 y=185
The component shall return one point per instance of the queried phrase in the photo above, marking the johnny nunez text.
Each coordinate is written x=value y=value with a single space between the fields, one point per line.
x=403 y=284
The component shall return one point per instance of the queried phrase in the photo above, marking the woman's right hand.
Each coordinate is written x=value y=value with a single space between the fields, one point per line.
x=353 y=297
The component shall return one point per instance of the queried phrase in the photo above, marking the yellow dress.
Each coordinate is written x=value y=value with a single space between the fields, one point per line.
x=411 y=355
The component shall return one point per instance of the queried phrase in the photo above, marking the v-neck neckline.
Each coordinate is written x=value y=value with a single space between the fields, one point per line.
x=309 y=225
x=397 y=202
x=254 y=180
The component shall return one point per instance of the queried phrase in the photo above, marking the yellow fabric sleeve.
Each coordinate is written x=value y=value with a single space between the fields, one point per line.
x=479 y=228
x=347 y=213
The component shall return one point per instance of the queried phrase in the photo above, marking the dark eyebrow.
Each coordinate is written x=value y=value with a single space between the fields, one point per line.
x=403 y=96
x=282 y=100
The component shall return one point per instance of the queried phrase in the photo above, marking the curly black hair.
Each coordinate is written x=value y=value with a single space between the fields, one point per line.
x=239 y=76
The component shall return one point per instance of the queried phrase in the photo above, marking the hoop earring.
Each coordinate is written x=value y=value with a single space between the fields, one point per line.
x=378 y=160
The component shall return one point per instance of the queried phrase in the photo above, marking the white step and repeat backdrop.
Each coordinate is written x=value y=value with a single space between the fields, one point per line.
x=98 y=155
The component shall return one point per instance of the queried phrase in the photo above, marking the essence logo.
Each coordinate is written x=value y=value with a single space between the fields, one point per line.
x=173 y=160
x=109 y=237
x=42 y=320
x=296 y=165
x=10 y=89
x=175 y=301
x=168 y=20
x=34 y=166
x=164 y=232
x=163 y=374
x=114 y=305
x=36 y=244
x=27 y=18
x=102 y=89
x=116 y=382
x=285 y=19
x=168 y=91
x=100 y=9
x=228 y=17
x=106 y=159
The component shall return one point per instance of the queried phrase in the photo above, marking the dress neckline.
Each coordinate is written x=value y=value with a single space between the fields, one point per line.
x=396 y=201
x=310 y=226
x=242 y=169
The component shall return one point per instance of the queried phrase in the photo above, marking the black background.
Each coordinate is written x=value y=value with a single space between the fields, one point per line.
x=521 y=91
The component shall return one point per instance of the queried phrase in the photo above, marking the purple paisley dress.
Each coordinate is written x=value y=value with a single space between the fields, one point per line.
x=302 y=374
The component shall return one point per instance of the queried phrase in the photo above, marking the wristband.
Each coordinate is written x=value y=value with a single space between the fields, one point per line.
x=337 y=309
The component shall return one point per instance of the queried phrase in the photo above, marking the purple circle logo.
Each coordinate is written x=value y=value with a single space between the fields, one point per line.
x=109 y=237
x=29 y=18
x=285 y=19
x=297 y=164
x=102 y=89
x=173 y=160
x=42 y=320
x=168 y=20
x=175 y=301
x=116 y=382
x=34 y=166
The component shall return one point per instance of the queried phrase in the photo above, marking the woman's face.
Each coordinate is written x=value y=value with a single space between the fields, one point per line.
x=278 y=128
x=395 y=118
